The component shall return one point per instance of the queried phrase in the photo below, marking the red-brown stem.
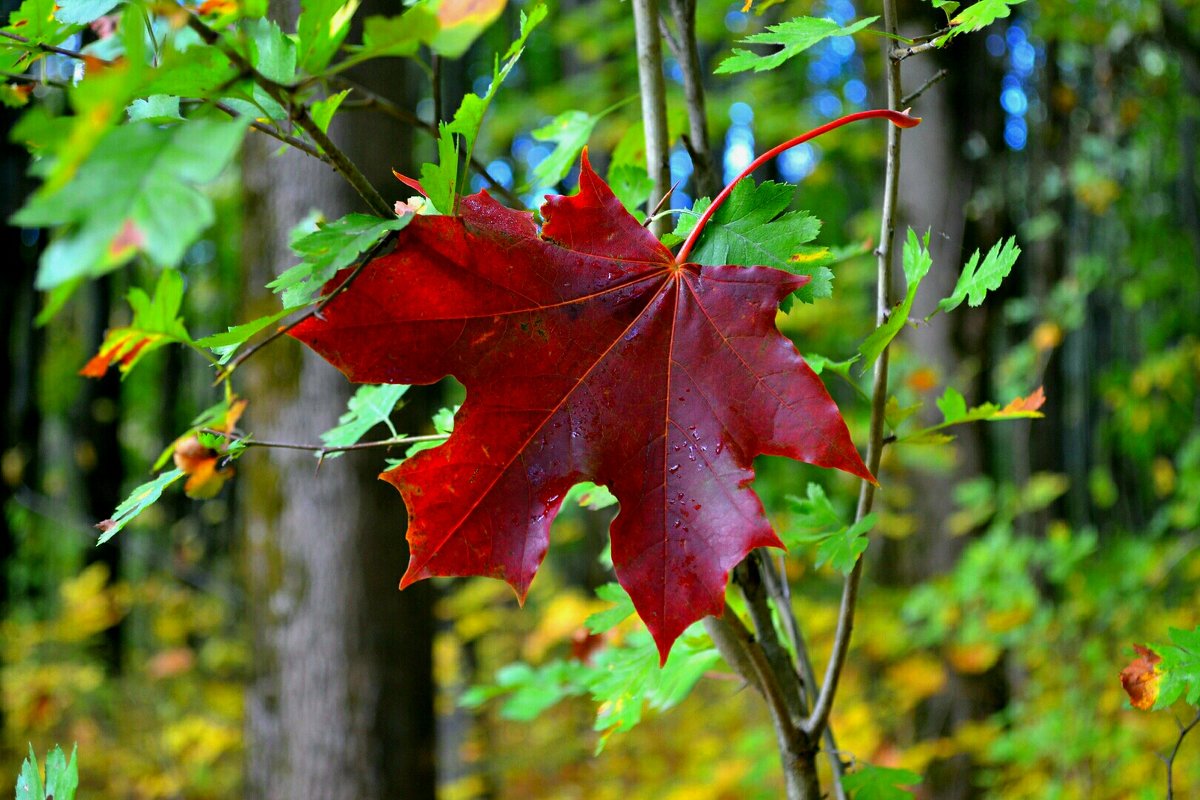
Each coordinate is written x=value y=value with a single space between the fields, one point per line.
x=899 y=118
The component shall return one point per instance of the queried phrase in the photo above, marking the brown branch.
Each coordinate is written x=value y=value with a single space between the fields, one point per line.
x=654 y=103
x=49 y=48
x=884 y=297
x=900 y=53
x=262 y=127
x=1184 y=730
x=908 y=99
x=283 y=95
x=685 y=49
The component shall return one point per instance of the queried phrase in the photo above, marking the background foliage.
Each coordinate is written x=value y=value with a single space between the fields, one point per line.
x=1009 y=571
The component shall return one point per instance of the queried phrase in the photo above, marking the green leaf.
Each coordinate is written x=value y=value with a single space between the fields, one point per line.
x=569 y=131
x=948 y=6
x=156 y=322
x=392 y=37
x=793 y=37
x=952 y=405
x=469 y=116
x=81 y=12
x=138 y=501
x=29 y=780
x=272 y=53
x=440 y=180
x=590 y=495
x=632 y=186
x=955 y=412
x=194 y=72
x=977 y=17
x=224 y=345
x=1180 y=668
x=817 y=522
x=754 y=228
x=443 y=423
x=916 y=266
x=977 y=280
x=35 y=20
x=842 y=549
x=62 y=779
x=370 y=406
x=870 y=782
x=322 y=111
x=320 y=30
x=332 y=247
x=136 y=193
x=157 y=108
x=609 y=618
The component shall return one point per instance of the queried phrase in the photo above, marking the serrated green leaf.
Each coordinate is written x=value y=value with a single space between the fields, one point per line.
x=392 y=37
x=977 y=17
x=62 y=778
x=569 y=131
x=842 y=549
x=955 y=412
x=754 y=228
x=322 y=111
x=815 y=517
x=1179 y=668
x=332 y=247
x=793 y=37
x=157 y=108
x=917 y=262
x=272 y=52
x=320 y=30
x=977 y=279
x=137 y=192
x=138 y=501
x=952 y=405
x=590 y=495
x=156 y=322
x=869 y=782
x=224 y=345
x=443 y=424
x=370 y=406
x=632 y=186
x=440 y=180
x=609 y=618
x=29 y=780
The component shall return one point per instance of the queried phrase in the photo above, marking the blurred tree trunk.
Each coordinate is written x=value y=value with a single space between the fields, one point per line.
x=341 y=703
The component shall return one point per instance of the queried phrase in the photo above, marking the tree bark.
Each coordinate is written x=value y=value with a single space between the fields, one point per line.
x=341 y=703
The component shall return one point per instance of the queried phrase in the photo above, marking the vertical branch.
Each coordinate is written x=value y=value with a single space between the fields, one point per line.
x=686 y=51
x=819 y=718
x=654 y=103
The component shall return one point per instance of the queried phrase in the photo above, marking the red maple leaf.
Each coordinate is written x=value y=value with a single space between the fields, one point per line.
x=588 y=353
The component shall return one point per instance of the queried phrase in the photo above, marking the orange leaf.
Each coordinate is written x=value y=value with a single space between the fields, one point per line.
x=1141 y=678
x=1031 y=403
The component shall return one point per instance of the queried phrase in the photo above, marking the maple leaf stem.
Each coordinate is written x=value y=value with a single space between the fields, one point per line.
x=900 y=119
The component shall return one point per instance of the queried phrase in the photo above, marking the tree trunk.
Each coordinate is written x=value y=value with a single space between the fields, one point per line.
x=341 y=703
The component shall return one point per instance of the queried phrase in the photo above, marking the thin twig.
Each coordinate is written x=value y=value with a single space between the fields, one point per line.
x=685 y=49
x=908 y=99
x=321 y=448
x=283 y=95
x=1184 y=730
x=819 y=718
x=898 y=54
x=262 y=127
x=363 y=260
x=49 y=48
x=654 y=103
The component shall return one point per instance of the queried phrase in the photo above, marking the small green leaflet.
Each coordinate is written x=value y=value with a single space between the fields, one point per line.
x=978 y=279
x=392 y=36
x=156 y=322
x=976 y=17
x=590 y=495
x=272 y=53
x=224 y=345
x=609 y=618
x=632 y=186
x=157 y=108
x=754 y=228
x=331 y=247
x=136 y=192
x=62 y=778
x=469 y=116
x=955 y=412
x=569 y=131
x=794 y=37
x=138 y=501
x=322 y=111
x=948 y=6
x=870 y=782
x=320 y=30
x=1180 y=668
x=916 y=266
x=440 y=180
x=370 y=406
x=443 y=424
x=818 y=523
